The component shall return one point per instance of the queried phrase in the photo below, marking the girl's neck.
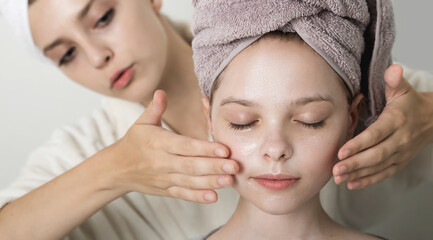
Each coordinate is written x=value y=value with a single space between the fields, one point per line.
x=184 y=113
x=249 y=222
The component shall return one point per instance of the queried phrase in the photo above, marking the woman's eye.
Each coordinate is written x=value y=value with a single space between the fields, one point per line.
x=239 y=127
x=69 y=55
x=313 y=125
x=106 y=19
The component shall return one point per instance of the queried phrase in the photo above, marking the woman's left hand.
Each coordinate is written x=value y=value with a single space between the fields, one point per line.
x=403 y=128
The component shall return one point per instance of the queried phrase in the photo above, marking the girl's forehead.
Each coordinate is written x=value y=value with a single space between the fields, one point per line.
x=277 y=71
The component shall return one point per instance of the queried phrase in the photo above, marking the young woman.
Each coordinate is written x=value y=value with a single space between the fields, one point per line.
x=126 y=50
x=87 y=182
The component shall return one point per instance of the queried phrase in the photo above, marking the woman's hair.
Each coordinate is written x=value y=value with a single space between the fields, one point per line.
x=287 y=37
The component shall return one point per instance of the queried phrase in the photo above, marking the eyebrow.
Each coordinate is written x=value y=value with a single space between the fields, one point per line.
x=242 y=102
x=317 y=98
x=298 y=102
x=82 y=13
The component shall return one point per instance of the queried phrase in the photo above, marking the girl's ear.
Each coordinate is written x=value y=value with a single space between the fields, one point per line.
x=355 y=108
x=156 y=5
x=207 y=112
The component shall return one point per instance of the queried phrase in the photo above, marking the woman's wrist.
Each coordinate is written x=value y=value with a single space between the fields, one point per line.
x=109 y=173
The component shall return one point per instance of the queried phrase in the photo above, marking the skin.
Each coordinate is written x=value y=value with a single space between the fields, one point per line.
x=276 y=101
x=148 y=159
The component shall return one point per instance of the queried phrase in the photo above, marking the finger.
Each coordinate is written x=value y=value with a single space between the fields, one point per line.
x=154 y=111
x=367 y=158
x=201 y=182
x=186 y=146
x=373 y=179
x=198 y=166
x=374 y=134
x=364 y=172
x=199 y=196
x=396 y=85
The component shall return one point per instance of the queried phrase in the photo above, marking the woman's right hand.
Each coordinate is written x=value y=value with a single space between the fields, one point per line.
x=152 y=160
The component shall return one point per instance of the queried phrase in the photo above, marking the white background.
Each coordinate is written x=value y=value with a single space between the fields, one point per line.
x=35 y=98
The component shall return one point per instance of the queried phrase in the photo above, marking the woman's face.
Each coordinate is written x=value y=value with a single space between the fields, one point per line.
x=114 y=47
x=284 y=114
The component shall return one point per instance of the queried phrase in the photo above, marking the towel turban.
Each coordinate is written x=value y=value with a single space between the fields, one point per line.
x=355 y=37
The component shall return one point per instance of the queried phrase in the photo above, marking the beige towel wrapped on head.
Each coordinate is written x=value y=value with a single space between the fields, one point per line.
x=355 y=37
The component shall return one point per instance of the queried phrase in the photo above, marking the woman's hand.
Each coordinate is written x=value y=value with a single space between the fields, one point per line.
x=153 y=160
x=388 y=145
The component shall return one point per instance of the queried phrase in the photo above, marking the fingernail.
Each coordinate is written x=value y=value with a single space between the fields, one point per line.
x=345 y=154
x=228 y=168
x=354 y=185
x=223 y=181
x=209 y=197
x=337 y=179
x=220 y=152
x=343 y=170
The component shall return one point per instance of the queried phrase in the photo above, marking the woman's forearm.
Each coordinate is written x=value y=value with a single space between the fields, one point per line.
x=57 y=207
x=428 y=98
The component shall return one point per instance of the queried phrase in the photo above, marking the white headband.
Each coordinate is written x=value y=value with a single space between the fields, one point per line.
x=15 y=12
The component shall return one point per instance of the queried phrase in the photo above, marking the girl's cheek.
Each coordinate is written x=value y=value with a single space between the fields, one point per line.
x=242 y=148
x=319 y=150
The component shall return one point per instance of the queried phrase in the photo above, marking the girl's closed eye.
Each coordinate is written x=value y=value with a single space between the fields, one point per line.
x=239 y=127
x=314 y=125
x=313 y=118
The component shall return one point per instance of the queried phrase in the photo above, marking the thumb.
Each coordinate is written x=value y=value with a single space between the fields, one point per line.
x=396 y=85
x=154 y=111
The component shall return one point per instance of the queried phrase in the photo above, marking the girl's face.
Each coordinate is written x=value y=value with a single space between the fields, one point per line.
x=283 y=112
x=114 y=47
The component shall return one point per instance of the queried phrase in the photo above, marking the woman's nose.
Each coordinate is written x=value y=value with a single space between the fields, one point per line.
x=98 y=55
x=276 y=147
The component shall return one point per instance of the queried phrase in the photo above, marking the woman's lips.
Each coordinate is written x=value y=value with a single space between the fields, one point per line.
x=122 y=78
x=276 y=182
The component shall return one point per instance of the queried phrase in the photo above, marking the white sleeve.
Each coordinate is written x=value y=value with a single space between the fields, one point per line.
x=66 y=148
x=422 y=165
x=422 y=81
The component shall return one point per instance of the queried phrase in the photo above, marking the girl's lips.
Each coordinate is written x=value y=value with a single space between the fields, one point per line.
x=122 y=78
x=276 y=182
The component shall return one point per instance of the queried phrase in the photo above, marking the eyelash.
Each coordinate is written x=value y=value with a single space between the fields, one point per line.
x=102 y=22
x=106 y=19
x=69 y=55
x=313 y=125
x=239 y=127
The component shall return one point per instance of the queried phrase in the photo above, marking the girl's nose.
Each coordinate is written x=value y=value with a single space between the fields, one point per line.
x=276 y=147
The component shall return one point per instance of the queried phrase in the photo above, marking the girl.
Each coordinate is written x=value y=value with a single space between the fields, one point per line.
x=284 y=113
x=256 y=117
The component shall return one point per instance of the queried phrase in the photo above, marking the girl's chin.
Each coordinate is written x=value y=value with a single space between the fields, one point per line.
x=275 y=205
x=276 y=209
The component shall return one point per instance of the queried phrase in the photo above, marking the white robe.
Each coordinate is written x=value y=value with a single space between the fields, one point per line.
x=398 y=208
